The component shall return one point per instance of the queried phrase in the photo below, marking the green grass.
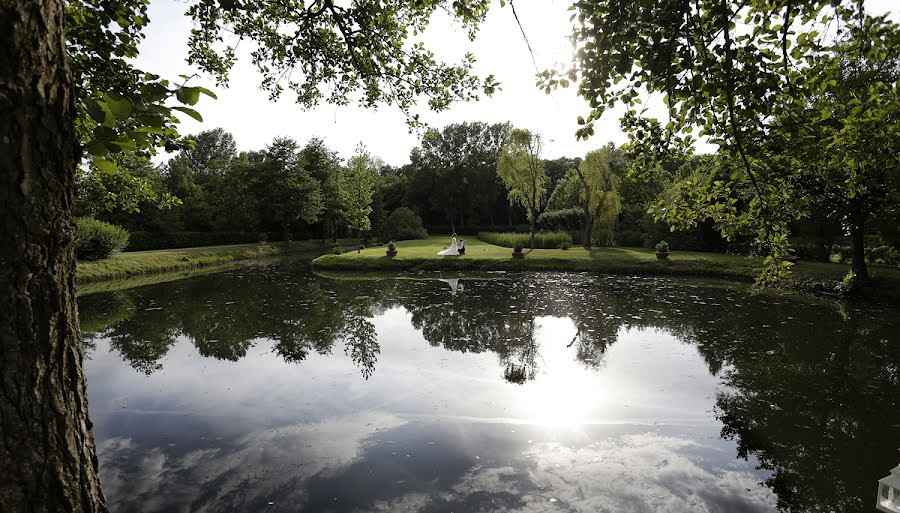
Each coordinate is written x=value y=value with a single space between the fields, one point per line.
x=145 y=262
x=421 y=255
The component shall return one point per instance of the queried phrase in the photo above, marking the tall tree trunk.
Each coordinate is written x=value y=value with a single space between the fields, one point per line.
x=46 y=446
x=533 y=219
x=858 y=242
x=588 y=217
x=588 y=227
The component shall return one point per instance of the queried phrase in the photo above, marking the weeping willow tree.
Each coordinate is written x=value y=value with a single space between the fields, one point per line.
x=599 y=197
x=522 y=170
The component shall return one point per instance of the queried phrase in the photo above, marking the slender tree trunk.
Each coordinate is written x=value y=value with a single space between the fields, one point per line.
x=533 y=219
x=46 y=446
x=588 y=227
x=586 y=206
x=858 y=242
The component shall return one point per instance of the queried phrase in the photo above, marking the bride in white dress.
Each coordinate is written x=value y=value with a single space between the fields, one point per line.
x=452 y=250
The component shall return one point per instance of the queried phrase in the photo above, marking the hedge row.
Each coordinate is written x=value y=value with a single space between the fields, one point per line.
x=542 y=240
x=475 y=229
x=145 y=241
x=569 y=219
x=881 y=255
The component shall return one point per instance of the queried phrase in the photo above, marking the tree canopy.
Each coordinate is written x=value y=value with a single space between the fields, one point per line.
x=522 y=170
x=735 y=73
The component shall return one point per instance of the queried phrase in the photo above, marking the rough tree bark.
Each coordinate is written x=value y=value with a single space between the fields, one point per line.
x=47 y=454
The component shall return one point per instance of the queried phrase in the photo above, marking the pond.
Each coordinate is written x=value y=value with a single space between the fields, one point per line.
x=273 y=389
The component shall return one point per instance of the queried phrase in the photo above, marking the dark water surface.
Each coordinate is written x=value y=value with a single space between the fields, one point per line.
x=272 y=389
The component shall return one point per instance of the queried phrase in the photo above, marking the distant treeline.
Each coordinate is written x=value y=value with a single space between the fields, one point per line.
x=213 y=194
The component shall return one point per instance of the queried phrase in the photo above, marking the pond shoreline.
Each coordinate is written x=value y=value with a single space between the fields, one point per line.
x=142 y=263
x=818 y=278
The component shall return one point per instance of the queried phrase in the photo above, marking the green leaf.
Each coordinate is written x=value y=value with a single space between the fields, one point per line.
x=211 y=94
x=105 y=166
x=95 y=110
x=96 y=149
x=121 y=108
x=188 y=95
x=190 y=112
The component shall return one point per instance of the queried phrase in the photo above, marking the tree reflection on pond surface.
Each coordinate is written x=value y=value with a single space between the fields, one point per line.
x=274 y=389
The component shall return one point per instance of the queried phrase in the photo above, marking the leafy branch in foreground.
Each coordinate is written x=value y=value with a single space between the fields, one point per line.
x=368 y=52
x=732 y=72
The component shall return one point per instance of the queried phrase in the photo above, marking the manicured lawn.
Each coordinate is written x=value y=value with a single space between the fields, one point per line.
x=421 y=255
x=144 y=262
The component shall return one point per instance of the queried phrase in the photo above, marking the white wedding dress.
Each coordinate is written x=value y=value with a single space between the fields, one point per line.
x=452 y=250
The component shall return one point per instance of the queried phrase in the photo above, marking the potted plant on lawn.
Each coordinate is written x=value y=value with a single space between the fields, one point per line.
x=517 y=251
x=392 y=249
x=662 y=250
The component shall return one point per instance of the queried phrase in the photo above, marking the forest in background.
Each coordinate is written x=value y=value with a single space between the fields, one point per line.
x=212 y=194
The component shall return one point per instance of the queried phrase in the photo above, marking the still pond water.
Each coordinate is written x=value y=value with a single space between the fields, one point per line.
x=269 y=388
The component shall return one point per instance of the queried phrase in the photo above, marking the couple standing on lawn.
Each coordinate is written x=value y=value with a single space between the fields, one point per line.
x=455 y=248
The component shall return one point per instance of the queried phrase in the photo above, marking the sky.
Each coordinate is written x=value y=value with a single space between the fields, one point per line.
x=244 y=110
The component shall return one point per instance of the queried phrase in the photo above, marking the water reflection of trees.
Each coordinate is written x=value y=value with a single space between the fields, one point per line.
x=223 y=318
x=810 y=390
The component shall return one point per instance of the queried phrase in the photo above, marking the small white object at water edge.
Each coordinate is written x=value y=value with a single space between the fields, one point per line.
x=889 y=492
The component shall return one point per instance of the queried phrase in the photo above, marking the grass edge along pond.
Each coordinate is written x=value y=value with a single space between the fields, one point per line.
x=421 y=255
x=134 y=263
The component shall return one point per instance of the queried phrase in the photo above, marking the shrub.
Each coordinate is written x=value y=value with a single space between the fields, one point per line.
x=564 y=246
x=662 y=247
x=840 y=253
x=392 y=246
x=404 y=224
x=473 y=230
x=96 y=240
x=810 y=248
x=543 y=240
x=143 y=241
x=883 y=255
x=704 y=237
x=567 y=219
x=629 y=238
x=517 y=248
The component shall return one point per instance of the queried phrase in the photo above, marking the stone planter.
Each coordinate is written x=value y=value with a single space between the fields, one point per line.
x=518 y=255
x=662 y=255
x=391 y=252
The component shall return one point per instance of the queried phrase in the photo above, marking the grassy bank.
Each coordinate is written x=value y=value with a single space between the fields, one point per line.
x=420 y=255
x=146 y=262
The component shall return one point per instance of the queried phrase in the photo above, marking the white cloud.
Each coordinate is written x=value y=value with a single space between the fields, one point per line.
x=635 y=473
x=263 y=464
